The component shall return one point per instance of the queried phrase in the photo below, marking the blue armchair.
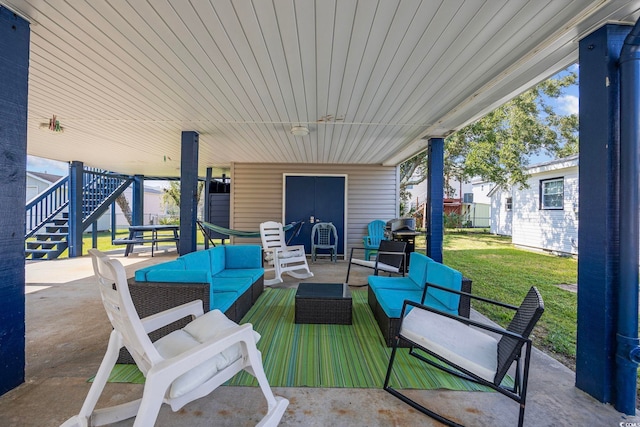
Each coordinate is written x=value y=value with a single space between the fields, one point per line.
x=372 y=241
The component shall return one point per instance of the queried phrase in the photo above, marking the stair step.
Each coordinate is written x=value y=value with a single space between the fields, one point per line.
x=45 y=244
x=56 y=228
x=52 y=236
x=44 y=253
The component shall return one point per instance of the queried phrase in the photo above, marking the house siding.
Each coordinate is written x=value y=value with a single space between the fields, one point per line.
x=501 y=218
x=532 y=227
x=257 y=195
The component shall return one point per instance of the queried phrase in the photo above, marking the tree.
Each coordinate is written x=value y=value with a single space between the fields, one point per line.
x=171 y=195
x=498 y=146
x=121 y=200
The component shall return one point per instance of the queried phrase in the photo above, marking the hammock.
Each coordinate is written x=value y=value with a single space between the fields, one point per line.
x=246 y=234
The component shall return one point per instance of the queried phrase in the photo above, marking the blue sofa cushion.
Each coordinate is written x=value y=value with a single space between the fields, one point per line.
x=397 y=283
x=222 y=300
x=418 y=266
x=141 y=274
x=217 y=259
x=391 y=300
x=179 y=276
x=243 y=256
x=253 y=273
x=441 y=275
x=231 y=284
x=198 y=260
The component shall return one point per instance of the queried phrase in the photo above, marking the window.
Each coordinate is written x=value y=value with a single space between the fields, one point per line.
x=509 y=203
x=552 y=193
x=468 y=197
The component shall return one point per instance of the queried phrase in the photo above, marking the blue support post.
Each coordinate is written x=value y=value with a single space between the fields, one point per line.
x=435 y=199
x=628 y=353
x=188 y=191
x=76 y=170
x=205 y=194
x=599 y=232
x=137 y=214
x=14 y=69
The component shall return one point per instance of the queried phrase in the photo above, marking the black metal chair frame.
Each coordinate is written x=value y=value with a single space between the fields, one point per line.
x=390 y=253
x=529 y=311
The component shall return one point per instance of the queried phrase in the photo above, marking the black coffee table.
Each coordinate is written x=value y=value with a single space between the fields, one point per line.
x=328 y=303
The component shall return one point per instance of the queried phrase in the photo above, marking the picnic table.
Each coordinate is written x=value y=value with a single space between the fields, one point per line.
x=152 y=234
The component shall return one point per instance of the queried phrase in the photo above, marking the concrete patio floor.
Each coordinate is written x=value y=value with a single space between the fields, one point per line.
x=67 y=333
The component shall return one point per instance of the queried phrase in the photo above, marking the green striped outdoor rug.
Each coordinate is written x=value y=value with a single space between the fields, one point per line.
x=310 y=355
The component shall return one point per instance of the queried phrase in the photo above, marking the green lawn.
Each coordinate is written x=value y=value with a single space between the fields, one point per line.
x=500 y=271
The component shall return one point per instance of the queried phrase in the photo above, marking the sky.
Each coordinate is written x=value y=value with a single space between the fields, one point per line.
x=567 y=104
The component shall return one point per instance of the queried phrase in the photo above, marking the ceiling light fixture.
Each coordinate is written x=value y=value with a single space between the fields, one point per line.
x=299 y=130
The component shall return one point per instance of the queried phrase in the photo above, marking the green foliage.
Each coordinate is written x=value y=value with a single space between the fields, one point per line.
x=497 y=147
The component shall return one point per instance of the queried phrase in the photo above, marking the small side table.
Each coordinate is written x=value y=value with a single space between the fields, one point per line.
x=328 y=303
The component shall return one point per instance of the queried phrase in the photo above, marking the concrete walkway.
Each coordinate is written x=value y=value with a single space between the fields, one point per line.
x=67 y=333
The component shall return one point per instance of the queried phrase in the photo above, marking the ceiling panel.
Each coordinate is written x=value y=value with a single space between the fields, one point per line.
x=370 y=78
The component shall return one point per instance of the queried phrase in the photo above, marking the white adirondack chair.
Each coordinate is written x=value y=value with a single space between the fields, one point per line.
x=180 y=367
x=283 y=259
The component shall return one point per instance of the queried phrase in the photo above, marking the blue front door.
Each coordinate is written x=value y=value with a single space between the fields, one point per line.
x=315 y=199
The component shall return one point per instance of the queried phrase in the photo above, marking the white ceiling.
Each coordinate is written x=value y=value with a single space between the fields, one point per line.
x=369 y=78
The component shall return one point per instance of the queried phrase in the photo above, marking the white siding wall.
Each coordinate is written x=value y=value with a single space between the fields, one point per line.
x=553 y=230
x=501 y=218
x=257 y=192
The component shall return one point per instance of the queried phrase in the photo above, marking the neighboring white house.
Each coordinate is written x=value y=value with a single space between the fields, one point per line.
x=543 y=216
x=37 y=182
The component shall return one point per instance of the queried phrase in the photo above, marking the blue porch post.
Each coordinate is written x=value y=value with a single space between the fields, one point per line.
x=76 y=179
x=205 y=194
x=599 y=232
x=435 y=199
x=14 y=69
x=188 y=191
x=137 y=210
x=627 y=350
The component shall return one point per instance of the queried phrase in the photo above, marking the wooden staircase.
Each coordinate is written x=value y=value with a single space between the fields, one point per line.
x=51 y=241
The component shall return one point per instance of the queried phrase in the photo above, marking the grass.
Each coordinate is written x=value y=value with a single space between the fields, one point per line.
x=504 y=273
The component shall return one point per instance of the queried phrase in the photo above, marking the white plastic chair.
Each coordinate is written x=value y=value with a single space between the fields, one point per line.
x=284 y=259
x=185 y=365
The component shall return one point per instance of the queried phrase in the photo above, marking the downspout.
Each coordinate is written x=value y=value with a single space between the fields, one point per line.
x=627 y=350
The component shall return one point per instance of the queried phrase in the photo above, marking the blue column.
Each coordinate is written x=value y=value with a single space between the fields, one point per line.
x=137 y=211
x=188 y=191
x=76 y=179
x=14 y=69
x=627 y=350
x=599 y=232
x=205 y=194
x=435 y=199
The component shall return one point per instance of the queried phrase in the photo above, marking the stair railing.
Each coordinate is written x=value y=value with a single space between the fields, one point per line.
x=46 y=206
x=100 y=189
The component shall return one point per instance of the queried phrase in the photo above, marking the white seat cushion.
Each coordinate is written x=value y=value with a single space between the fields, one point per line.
x=204 y=328
x=372 y=264
x=463 y=345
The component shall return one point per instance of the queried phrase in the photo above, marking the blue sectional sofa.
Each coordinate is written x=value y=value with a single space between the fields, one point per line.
x=387 y=294
x=227 y=277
